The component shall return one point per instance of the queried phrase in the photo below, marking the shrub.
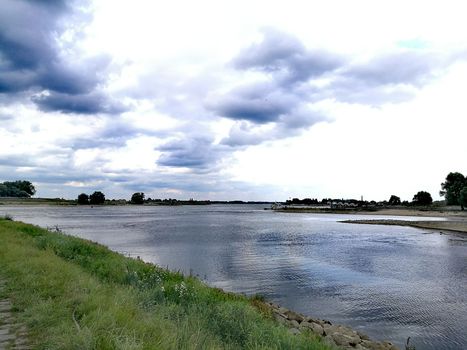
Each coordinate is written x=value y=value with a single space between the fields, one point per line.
x=137 y=198
x=83 y=199
x=97 y=198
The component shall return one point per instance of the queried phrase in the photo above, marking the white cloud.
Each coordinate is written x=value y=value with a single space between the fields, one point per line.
x=375 y=152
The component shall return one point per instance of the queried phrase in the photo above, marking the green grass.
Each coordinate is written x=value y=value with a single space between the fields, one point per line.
x=75 y=294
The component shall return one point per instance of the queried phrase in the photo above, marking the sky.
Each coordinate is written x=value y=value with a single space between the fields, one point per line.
x=227 y=100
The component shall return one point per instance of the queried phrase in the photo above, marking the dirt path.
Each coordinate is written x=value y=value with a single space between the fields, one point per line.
x=12 y=334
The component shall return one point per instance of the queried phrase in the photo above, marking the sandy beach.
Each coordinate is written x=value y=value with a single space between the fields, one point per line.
x=452 y=214
x=456 y=221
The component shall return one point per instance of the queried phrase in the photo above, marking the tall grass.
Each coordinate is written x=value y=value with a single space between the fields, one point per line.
x=75 y=294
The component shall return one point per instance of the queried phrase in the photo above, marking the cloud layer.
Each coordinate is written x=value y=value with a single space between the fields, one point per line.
x=36 y=59
x=71 y=116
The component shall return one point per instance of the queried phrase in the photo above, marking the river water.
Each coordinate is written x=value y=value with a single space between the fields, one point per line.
x=389 y=282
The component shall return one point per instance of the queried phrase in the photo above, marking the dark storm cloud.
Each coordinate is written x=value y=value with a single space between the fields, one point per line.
x=92 y=103
x=245 y=134
x=198 y=153
x=258 y=103
x=28 y=33
x=283 y=99
x=79 y=78
x=15 y=81
x=296 y=78
x=31 y=59
x=286 y=57
x=51 y=4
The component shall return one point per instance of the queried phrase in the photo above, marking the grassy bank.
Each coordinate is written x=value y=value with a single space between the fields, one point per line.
x=75 y=294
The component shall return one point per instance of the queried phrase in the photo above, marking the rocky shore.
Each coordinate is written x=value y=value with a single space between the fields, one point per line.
x=335 y=335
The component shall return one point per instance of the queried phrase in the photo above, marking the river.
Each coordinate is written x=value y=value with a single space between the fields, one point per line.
x=386 y=281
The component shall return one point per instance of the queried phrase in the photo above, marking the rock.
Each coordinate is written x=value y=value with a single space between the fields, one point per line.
x=340 y=329
x=345 y=340
x=330 y=329
x=368 y=344
x=275 y=306
x=389 y=345
x=314 y=320
x=363 y=336
x=358 y=347
x=333 y=335
x=294 y=331
x=314 y=327
x=291 y=315
x=329 y=341
x=281 y=319
x=327 y=328
x=294 y=324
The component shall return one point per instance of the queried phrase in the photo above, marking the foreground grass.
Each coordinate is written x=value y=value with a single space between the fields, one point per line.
x=75 y=294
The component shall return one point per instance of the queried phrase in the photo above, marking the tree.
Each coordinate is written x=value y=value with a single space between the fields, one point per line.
x=97 y=198
x=452 y=187
x=25 y=186
x=463 y=197
x=83 y=198
x=19 y=188
x=422 y=198
x=394 y=200
x=137 y=198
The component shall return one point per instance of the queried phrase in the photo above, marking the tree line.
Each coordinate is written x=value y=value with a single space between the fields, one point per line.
x=98 y=197
x=454 y=189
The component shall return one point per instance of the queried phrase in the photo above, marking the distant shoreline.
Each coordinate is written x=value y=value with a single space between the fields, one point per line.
x=429 y=212
x=120 y=202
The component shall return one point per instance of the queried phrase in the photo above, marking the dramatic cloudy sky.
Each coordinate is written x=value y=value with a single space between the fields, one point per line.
x=233 y=100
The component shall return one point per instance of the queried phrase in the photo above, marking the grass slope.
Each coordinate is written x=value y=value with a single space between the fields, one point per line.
x=75 y=294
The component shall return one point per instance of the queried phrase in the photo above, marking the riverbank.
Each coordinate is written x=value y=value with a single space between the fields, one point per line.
x=87 y=296
x=459 y=226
